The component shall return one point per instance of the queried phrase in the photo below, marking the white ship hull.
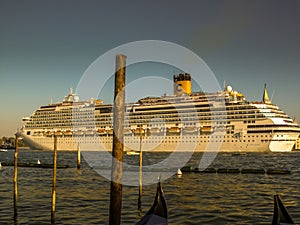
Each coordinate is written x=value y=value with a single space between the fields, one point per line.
x=264 y=142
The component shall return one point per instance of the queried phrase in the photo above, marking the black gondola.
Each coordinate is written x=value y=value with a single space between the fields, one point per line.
x=158 y=213
x=281 y=215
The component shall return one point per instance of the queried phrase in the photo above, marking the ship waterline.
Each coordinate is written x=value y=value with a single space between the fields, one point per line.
x=273 y=142
x=222 y=121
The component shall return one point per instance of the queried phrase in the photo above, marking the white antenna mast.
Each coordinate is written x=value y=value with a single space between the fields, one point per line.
x=272 y=95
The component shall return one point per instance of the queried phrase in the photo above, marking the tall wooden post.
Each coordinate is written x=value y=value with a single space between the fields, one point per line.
x=16 y=178
x=78 y=157
x=118 y=140
x=54 y=181
x=141 y=171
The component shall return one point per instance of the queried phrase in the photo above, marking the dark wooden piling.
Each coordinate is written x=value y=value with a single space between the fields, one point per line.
x=118 y=142
x=190 y=169
x=141 y=171
x=16 y=178
x=53 y=205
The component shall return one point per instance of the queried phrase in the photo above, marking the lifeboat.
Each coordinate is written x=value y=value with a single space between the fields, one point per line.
x=110 y=131
x=68 y=133
x=127 y=131
x=174 y=130
x=101 y=131
x=58 y=133
x=137 y=131
x=154 y=131
x=79 y=133
x=49 y=133
x=37 y=133
x=190 y=130
x=207 y=129
x=90 y=132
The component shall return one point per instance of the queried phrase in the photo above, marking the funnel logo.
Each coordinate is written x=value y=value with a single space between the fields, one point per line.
x=179 y=87
x=153 y=121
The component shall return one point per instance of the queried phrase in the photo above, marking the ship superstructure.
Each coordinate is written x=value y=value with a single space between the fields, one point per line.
x=185 y=121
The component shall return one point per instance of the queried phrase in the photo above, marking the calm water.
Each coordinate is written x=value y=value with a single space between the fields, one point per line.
x=83 y=195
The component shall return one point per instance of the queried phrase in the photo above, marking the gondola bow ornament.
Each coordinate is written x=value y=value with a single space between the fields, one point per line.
x=158 y=213
x=281 y=215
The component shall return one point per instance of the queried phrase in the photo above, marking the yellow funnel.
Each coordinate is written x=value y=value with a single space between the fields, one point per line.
x=182 y=84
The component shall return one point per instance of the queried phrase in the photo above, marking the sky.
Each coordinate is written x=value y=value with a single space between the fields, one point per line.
x=46 y=47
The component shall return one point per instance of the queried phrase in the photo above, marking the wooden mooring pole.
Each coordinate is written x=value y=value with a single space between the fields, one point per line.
x=78 y=157
x=118 y=143
x=54 y=181
x=16 y=178
x=141 y=171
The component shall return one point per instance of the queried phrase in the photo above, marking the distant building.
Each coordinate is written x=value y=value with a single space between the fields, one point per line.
x=9 y=142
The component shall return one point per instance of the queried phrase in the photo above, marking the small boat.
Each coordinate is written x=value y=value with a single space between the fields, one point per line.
x=6 y=146
x=132 y=153
x=158 y=213
x=281 y=215
x=179 y=173
x=239 y=153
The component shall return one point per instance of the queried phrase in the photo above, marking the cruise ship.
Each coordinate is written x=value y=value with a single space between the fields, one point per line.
x=185 y=121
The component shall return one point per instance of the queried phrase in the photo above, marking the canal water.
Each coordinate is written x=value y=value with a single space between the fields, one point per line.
x=194 y=198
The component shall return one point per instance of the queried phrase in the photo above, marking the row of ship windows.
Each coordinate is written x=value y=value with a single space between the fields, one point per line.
x=147 y=117
x=84 y=122
x=63 y=115
x=191 y=136
x=190 y=141
x=212 y=141
x=162 y=113
x=155 y=111
x=182 y=115
x=108 y=139
x=148 y=111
